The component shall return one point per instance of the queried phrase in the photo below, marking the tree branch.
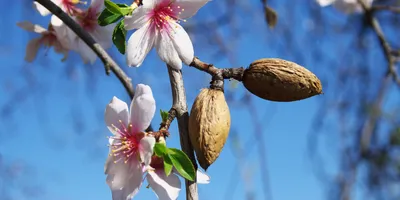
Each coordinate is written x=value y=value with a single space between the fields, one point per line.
x=224 y=73
x=387 y=50
x=182 y=115
x=109 y=63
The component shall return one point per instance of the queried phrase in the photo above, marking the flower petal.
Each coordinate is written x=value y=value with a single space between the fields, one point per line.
x=182 y=43
x=190 y=7
x=142 y=108
x=165 y=187
x=146 y=149
x=86 y=52
x=41 y=9
x=101 y=34
x=97 y=5
x=140 y=16
x=28 y=26
x=166 y=50
x=31 y=49
x=202 y=178
x=123 y=179
x=139 y=45
x=116 y=110
x=64 y=34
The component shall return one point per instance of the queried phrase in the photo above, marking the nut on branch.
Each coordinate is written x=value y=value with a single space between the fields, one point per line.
x=280 y=80
x=209 y=125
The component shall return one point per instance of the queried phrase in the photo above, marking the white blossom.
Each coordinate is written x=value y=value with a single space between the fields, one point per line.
x=157 y=25
x=131 y=148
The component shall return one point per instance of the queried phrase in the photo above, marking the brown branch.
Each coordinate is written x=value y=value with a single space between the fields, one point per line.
x=182 y=115
x=224 y=73
x=109 y=63
x=387 y=50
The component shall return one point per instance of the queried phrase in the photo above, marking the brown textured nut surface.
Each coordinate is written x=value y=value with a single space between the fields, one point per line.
x=209 y=125
x=280 y=80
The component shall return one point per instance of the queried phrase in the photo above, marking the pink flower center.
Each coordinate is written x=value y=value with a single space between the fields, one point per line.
x=163 y=13
x=126 y=144
x=70 y=6
x=88 y=19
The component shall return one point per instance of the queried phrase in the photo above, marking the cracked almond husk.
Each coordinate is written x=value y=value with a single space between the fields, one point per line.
x=209 y=125
x=280 y=80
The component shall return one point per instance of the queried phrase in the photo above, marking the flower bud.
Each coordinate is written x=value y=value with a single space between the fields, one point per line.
x=209 y=125
x=280 y=80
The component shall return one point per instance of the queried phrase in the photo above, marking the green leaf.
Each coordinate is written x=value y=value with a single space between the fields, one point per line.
x=182 y=163
x=124 y=9
x=122 y=5
x=107 y=17
x=164 y=115
x=167 y=165
x=160 y=149
x=112 y=7
x=119 y=37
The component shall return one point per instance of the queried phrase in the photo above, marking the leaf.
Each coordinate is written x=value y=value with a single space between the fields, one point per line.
x=182 y=163
x=167 y=165
x=164 y=115
x=124 y=9
x=122 y=5
x=112 y=7
x=107 y=17
x=119 y=37
x=160 y=149
x=271 y=16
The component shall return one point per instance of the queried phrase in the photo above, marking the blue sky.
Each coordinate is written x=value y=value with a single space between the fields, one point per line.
x=54 y=129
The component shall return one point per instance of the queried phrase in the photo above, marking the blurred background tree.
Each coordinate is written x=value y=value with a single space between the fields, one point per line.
x=343 y=144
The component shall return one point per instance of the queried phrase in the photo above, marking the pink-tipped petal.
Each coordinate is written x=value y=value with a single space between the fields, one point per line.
x=116 y=110
x=139 y=45
x=166 y=50
x=182 y=44
x=142 y=108
x=190 y=7
x=146 y=149
x=165 y=187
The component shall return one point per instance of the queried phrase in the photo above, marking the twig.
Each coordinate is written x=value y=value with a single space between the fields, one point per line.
x=387 y=50
x=109 y=63
x=386 y=7
x=182 y=115
x=171 y=116
x=224 y=73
